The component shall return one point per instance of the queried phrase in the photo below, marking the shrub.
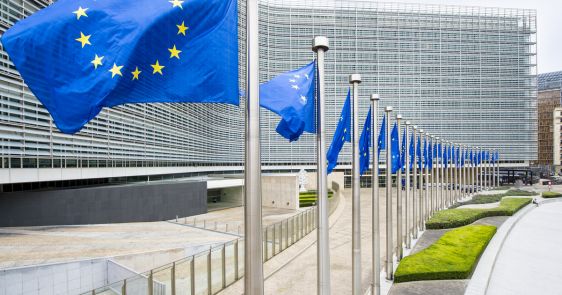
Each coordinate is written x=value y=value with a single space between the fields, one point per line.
x=309 y=198
x=458 y=217
x=519 y=193
x=548 y=195
x=453 y=256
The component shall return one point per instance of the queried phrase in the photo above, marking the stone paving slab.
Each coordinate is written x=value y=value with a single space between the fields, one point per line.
x=445 y=287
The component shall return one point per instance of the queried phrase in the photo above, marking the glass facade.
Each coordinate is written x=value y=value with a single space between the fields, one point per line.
x=467 y=74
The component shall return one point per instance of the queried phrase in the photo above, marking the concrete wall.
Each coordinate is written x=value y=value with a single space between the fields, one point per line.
x=280 y=191
x=62 y=278
x=337 y=177
x=108 y=204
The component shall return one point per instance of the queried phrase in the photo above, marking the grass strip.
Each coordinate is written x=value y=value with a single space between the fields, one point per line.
x=486 y=199
x=453 y=256
x=309 y=198
x=458 y=217
x=548 y=195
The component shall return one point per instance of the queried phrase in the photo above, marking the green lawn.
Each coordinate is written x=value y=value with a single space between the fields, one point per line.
x=453 y=256
x=486 y=199
x=458 y=217
x=309 y=198
x=548 y=195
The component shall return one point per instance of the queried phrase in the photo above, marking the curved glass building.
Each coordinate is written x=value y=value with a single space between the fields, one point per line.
x=467 y=74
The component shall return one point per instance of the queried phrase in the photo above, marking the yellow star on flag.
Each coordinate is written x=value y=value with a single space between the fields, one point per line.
x=182 y=28
x=136 y=73
x=176 y=3
x=157 y=68
x=80 y=12
x=116 y=70
x=97 y=61
x=84 y=39
x=174 y=52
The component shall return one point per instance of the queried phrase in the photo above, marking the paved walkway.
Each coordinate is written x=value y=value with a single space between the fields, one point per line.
x=530 y=259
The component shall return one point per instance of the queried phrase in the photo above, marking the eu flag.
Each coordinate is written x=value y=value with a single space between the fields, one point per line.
x=79 y=56
x=425 y=153
x=430 y=153
x=395 y=149
x=446 y=157
x=291 y=96
x=364 y=141
x=382 y=136
x=411 y=150
x=403 y=151
x=342 y=134
x=419 y=153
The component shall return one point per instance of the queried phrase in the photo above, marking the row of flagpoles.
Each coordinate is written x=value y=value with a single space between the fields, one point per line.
x=436 y=173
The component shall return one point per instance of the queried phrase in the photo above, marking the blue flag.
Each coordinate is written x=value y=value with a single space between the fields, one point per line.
x=430 y=155
x=291 y=96
x=419 y=153
x=411 y=151
x=458 y=158
x=446 y=156
x=395 y=149
x=440 y=151
x=471 y=157
x=382 y=136
x=342 y=134
x=364 y=141
x=78 y=59
x=403 y=151
x=425 y=153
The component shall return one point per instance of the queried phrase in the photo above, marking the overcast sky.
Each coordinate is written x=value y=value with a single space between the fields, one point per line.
x=549 y=23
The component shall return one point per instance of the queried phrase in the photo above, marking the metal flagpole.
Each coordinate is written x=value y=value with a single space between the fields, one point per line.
x=492 y=170
x=376 y=255
x=442 y=173
x=426 y=195
x=474 y=171
x=355 y=79
x=458 y=178
x=415 y=200
x=432 y=178
x=320 y=46
x=407 y=175
x=449 y=174
x=482 y=184
x=422 y=193
x=463 y=172
x=253 y=246
x=480 y=169
x=389 y=249
x=498 y=166
x=399 y=200
x=437 y=178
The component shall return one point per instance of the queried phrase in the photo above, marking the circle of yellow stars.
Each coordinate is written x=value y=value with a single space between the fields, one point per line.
x=116 y=70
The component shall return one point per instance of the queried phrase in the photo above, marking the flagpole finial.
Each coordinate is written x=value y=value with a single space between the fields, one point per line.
x=354 y=78
x=415 y=127
x=399 y=117
x=320 y=42
x=408 y=123
x=375 y=97
x=388 y=109
x=437 y=138
x=422 y=131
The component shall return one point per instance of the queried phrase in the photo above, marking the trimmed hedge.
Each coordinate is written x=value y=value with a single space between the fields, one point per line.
x=486 y=199
x=309 y=198
x=548 y=195
x=453 y=256
x=458 y=217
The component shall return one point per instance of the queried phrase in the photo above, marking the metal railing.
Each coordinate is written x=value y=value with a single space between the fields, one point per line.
x=212 y=270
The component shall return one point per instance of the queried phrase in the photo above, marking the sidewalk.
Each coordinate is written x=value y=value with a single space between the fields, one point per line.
x=530 y=259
